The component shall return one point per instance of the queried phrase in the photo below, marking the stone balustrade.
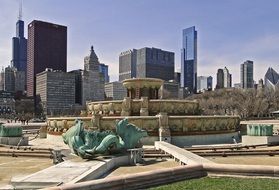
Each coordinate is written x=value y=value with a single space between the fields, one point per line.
x=190 y=125
x=113 y=107
x=59 y=125
x=143 y=107
x=161 y=125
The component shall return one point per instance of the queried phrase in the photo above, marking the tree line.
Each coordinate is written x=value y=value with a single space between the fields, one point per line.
x=247 y=103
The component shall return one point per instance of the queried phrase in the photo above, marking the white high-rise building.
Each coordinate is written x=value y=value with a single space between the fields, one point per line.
x=227 y=78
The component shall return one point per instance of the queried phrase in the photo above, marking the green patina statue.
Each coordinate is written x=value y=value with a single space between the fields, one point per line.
x=88 y=144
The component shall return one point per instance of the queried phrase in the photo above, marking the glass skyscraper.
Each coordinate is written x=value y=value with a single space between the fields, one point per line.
x=189 y=59
x=19 y=54
x=246 y=74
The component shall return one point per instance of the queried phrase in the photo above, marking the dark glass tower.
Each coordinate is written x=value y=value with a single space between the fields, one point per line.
x=47 y=48
x=104 y=69
x=220 y=79
x=19 y=54
x=189 y=59
x=155 y=63
x=146 y=63
x=246 y=74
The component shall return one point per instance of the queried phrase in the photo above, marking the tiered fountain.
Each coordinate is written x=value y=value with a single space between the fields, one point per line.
x=175 y=121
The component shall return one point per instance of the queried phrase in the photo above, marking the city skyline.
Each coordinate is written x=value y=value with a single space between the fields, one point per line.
x=252 y=33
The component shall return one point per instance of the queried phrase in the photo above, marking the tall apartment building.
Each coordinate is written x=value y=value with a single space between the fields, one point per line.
x=46 y=48
x=246 y=75
x=115 y=90
x=227 y=78
x=104 y=69
x=128 y=64
x=224 y=78
x=204 y=83
x=189 y=59
x=56 y=91
x=19 y=46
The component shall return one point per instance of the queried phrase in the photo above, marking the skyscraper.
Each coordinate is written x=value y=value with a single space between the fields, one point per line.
x=204 y=83
x=246 y=74
x=93 y=81
x=271 y=79
x=189 y=59
x=104 y=69
x=227 y=78
x=19 y=46
x=224 y=78
x=146 y=63
x=127 y=64
x=155 y=63
x=220 y=79
x=47 y=48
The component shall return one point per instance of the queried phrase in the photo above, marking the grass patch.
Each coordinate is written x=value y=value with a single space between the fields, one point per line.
x=223 y=183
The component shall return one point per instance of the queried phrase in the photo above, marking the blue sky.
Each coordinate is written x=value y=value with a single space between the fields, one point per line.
x=229 y=31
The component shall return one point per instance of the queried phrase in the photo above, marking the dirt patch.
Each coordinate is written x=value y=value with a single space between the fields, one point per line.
x=247 y=160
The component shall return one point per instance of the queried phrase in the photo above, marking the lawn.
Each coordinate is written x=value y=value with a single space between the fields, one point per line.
x=222 y=183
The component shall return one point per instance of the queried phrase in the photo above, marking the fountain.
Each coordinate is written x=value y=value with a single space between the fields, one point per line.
x=176 y=121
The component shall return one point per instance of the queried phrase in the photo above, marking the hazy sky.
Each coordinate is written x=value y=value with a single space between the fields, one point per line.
x=229 y=31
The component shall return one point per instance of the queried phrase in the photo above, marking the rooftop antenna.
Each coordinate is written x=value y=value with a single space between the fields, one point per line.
x=20 y=10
